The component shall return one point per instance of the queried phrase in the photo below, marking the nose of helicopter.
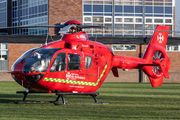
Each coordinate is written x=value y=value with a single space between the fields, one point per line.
x=33 y=77
x=24 y=77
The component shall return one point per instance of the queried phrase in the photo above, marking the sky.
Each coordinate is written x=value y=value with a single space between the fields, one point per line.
x=177 y=16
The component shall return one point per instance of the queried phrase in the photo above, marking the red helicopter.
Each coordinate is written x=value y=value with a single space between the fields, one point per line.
x=76 y=65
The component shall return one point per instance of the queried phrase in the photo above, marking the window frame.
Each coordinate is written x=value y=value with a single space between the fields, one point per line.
x=168 y=19
x=73 y=63
x=119 y=12
x=108 y=17
x=87 y=67
x=135 y=22
x=118 y=17
x=178 y=46
x=158 y=18
x=4 y=65
x=128 y=18
x=123 y=47
x=152 y=20
x=1 y=58
x=87 y=21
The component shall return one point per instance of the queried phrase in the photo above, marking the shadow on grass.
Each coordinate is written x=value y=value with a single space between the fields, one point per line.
x=8 y=98
x=104 y=97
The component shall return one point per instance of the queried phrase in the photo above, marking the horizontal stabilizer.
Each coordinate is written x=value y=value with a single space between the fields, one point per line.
x=164 y=67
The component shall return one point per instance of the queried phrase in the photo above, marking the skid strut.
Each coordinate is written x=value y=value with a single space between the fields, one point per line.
x=25 y=95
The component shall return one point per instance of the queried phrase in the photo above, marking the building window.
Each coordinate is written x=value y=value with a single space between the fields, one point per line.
x=118 y=19
x=158 y=21
x=168 y=20
x=97 y=8
x=138 y=9
x=87 y=19
x=129 y=9
x=3 y=57
x=3 y=51
x=97 y=19
x=138 y=20
x=87 y=8
x=148 y=9
x=120 y=47
x=148 y=20
x=3 y=13
x=158 y=9
x=172 y=47
x=118 y=8
x=168 y=10
x=108 y=8
x=107 y=19
x=130 y=20
x=124 y=12
x=30 y=12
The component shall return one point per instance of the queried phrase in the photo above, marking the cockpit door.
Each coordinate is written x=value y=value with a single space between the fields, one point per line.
x=58 y=65
x=91 y=67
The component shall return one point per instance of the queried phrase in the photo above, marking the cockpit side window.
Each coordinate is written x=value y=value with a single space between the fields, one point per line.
x=39 y=60
x=88 y=61
x=74 y=62
x=59 y=63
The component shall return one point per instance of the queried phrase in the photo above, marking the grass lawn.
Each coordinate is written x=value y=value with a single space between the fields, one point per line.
x=126 y=101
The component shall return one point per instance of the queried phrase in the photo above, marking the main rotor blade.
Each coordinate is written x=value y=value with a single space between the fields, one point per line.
x=100 y=26
x=58 y=26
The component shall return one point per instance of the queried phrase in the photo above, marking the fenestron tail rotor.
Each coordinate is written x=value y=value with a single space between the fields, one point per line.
x=158 y=55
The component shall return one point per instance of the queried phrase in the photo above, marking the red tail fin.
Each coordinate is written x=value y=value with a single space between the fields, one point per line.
x=156 y=54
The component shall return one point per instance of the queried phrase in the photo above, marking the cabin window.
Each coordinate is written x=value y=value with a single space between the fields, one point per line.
x=59 y=63
x=74 y=62
x=88 y=61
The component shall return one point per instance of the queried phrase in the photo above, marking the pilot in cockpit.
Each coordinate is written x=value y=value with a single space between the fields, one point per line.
x=41 y=62
x=72 y=30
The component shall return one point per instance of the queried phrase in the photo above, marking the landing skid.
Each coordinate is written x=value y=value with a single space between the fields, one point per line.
x=62 y=95
x=25 y=95
x=56 y=102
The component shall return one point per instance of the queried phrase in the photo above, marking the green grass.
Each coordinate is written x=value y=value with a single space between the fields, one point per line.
x=126 y=101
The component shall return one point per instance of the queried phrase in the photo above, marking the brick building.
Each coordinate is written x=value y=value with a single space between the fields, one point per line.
x=99 y=12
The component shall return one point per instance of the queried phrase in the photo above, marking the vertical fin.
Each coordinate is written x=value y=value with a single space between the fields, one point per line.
x=156 y=54
x=115 y=71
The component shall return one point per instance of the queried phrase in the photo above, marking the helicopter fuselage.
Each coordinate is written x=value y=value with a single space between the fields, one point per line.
x=76 y=64
x=72 y=64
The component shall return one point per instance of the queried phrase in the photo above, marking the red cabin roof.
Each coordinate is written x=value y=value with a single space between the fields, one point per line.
x=73 y=22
